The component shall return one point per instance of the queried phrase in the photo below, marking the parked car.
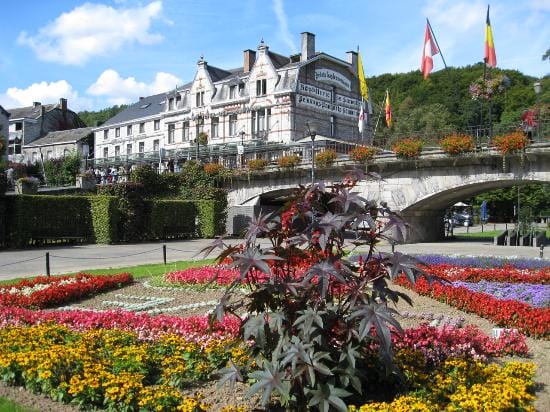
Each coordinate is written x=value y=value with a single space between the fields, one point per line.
x=462 y=219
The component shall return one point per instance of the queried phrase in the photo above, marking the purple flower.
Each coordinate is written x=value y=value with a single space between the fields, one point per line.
x=533 y=294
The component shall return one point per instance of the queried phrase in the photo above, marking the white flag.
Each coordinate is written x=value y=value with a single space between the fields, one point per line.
x=361 y=122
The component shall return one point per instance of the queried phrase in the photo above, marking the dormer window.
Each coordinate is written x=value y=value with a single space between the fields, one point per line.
x=261 y=87
x=171 y=104
x=178 y=101
x=232 y=92
x=241 y=89
x=199 y=97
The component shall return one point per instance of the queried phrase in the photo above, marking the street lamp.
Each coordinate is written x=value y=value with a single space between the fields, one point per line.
x=538 y=89
x=242 y=149
x=312 y=134
x=197 y=147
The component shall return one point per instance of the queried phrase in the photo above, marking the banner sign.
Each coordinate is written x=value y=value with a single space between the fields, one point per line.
x=326 y=106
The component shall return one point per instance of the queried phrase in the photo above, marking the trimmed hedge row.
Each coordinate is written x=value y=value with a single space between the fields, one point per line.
x=107 y=219
x=57 y=217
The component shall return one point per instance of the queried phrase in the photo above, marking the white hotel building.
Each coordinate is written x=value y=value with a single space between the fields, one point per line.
x=265 y=105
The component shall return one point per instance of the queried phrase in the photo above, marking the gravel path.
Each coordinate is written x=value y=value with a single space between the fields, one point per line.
x=174 y=301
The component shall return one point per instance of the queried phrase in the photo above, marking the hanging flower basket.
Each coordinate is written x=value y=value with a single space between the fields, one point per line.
x=457 y=144
x=408 y=148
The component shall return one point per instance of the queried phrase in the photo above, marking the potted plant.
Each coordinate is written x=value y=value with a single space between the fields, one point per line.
x=26 y=185
x=362 y=154
x=288 y=162
x=409 y=148
x=325 y=158
x=257 y=164
x=456 y=144
x=510 y=143
x=86 y=180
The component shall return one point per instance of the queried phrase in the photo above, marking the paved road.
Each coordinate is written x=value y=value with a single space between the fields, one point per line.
x=31 y=262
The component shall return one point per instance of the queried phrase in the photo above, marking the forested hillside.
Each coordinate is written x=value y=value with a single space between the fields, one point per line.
x=101 y=116
x=445 y=100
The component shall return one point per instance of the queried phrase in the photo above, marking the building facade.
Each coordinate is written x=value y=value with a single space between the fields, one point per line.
x=4 y=127
x=27 y=124
x=60 y=144
x=272 y=101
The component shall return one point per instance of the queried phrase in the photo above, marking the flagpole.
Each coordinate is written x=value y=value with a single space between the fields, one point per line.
x=436 y=43
x=379 y=114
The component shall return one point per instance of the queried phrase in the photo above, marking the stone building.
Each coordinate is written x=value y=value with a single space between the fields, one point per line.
x=4 y=126
x=27 y=124
x=269 y=102
x=59 y=144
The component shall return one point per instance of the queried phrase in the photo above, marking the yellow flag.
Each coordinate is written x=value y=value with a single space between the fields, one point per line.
x=363 y=88
x=387 y=106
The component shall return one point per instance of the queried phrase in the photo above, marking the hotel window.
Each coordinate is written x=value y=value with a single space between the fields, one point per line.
x=129 y=130
x=171 y=103
x=128 y=149
x=232 y=92
x=18 y=126
x=142 y=127
x=199 y=99
x=171 y=133
x=156 y=145
x=241 y=89
x=185 y=132
x=215 y=127
x=105 y=152
x=200 y=126
x=178 y=101
x=117 y=151
x=261 y=87
x=141 y=148
x=117 y=132
x=106 y=134
x=232 y=125
x=156 y=125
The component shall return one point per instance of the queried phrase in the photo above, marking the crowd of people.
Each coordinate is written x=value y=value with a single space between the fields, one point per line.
x=108 y=175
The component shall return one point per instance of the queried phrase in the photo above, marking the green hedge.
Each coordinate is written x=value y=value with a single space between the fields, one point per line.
x=171 y=218
x=93 y=218
x=58 y=216
x=212 y=215
x=133 y=210
x=3 y=221
x=105 y=218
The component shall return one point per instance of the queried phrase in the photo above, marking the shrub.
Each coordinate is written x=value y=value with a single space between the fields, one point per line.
x=457 y=143
x=288 y=161
x=149 y=178
x=171 y=218
x=362 y=153
x=311 y=314
x=133 y=214
x=3 y=183
x=62 y=171
x=203 y=138
x=408 y=148
x=510 y=142
x=212 y=215
x=325 y=158
x=105 y=218
x=213 y=169
x=257 y=164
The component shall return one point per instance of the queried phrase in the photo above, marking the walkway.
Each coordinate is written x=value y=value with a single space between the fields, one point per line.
x=66 y=259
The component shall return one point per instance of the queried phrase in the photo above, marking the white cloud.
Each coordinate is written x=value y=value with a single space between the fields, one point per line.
x=119 y=90
x=46 y=93
x=283 y=24
x=93 y=30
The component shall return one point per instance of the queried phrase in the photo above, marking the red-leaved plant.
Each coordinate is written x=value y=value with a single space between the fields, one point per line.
x=312 y=315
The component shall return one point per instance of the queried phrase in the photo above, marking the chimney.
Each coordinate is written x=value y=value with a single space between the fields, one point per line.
x=36 y=104
x=141 y=98
x=308 y=46
x=352 y=60
x=63 y=105
x=249 y=59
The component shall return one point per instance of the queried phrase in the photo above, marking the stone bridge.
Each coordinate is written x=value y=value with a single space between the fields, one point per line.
x=420 y=190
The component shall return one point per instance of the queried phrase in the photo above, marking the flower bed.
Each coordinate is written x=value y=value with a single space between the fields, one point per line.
x=215 y=275
x=146 y=326
x=485 y=261
x=505 y=313
x=43 y=292
x=507 y=274
x=534 y=295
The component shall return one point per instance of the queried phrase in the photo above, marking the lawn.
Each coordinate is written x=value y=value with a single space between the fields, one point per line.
x=8 y=406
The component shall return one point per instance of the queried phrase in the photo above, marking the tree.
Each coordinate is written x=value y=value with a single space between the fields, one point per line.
x=95 y=118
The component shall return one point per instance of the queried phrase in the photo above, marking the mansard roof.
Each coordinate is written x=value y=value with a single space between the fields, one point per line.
x=4 y=111
x=30 y=112
x=62 y=136
x=146 y=107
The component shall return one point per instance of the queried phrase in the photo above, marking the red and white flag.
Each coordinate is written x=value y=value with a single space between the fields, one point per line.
x=430 y=49
x=361 y=121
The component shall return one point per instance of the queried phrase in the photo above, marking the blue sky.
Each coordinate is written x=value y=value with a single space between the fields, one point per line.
x=101 y=52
